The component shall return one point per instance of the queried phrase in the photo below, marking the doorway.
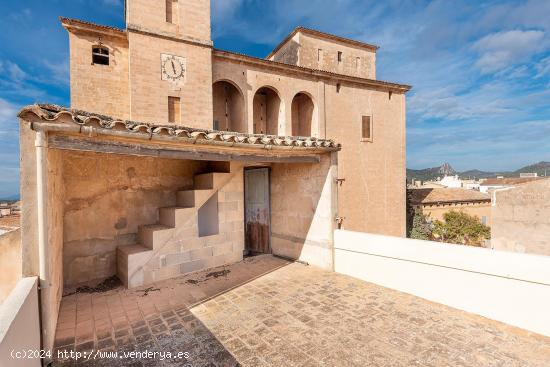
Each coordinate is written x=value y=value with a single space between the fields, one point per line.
x=257 y=211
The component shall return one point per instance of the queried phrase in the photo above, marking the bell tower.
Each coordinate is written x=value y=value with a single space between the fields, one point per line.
x=170 y=61
x=188 y=19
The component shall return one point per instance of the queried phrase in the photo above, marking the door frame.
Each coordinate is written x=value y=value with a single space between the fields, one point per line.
x=250 y=168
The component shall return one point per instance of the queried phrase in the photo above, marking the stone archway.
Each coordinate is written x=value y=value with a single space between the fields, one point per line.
x=228 y=107
x=302 y=115
x=266 y=111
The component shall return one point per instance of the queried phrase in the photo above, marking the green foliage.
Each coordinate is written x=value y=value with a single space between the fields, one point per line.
x=420 y=229
x=459 y=227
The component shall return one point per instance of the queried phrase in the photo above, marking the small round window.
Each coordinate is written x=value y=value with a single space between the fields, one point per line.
x=100 y=55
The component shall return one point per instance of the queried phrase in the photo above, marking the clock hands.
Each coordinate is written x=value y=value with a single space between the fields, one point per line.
x=173 y=66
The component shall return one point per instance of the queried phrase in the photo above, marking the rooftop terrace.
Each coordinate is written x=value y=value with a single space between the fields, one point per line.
x=265 y=311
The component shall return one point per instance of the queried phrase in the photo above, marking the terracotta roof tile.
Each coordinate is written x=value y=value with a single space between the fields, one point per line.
x=446 y=195
x=10 y=221
x=51 y=112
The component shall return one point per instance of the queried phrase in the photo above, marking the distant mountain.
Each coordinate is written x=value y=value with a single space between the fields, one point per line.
x=542 y=169
x=475 y=173
x=430 y=174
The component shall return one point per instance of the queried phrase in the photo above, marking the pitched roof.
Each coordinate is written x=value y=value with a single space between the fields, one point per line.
x=446 y=195
x=320 y=34
x=50 y=112
x=70 y=23
x=508 y=181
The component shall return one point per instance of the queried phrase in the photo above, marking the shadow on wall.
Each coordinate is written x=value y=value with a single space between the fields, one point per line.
x=113 y=195
x=302 y=211
x=228 y=107
x=267 y=111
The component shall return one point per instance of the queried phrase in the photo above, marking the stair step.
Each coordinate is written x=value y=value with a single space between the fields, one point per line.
x=175 y=216
x=130 y=260
x=193 y=198
x=209 y=181
x=154 y=233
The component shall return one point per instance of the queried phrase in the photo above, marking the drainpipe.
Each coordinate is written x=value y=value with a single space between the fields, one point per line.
x=41 y=145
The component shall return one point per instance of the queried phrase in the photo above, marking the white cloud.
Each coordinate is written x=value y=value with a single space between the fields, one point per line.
x=7 y=111
x=543 y=67
x=503 y=49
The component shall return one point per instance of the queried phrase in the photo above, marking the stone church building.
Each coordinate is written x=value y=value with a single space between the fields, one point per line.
x=175 y=156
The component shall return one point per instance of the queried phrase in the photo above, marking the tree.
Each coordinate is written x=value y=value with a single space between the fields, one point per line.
x=420 y=229
x=462 y=228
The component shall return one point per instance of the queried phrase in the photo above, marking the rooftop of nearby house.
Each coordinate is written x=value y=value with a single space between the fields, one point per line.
x=446 y=195
x=507 y=181
x=10 y=221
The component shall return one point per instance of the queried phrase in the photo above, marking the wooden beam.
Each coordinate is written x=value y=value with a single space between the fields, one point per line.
x=188 y=152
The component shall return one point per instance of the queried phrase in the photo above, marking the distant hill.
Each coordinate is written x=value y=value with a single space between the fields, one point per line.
x=542 y=169
x=430 y=174
x=475 y=173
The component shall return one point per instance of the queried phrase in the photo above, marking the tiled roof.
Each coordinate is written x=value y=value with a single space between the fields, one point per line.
x=507 y=181
x=10 y=221
x=81 y=24
x=446 y=195
x=51 y=112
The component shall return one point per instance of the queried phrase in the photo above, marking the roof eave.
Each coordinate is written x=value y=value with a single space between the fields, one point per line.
x=72 y=25
x=394 y=87
x=314 y=32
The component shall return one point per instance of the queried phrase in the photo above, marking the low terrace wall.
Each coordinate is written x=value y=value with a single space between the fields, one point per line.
x=19 y=326
x=513 y=288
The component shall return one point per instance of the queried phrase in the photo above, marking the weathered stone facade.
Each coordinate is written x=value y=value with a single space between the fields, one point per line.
x=521 y=218
x=144 y=176
x=300 y=88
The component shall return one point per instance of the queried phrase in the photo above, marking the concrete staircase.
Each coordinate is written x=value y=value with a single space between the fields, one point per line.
x=172 y=246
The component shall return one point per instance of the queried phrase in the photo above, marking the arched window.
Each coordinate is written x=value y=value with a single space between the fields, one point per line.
x=100 y=55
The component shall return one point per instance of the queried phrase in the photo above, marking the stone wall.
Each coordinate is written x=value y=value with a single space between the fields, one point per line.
x=107 y=198
x=372 y=197
x=149 y=93
x=303 y=50
x=303 y=210
x=186 y=252
x=102 y=89
x=191 y=21
x=521 y=218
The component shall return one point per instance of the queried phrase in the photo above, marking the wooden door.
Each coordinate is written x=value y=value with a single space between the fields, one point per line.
x=257 y=210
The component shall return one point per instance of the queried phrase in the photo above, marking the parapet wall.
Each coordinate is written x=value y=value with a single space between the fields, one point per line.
x=504 y=286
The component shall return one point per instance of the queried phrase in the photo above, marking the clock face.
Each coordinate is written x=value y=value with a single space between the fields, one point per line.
x=173 y=68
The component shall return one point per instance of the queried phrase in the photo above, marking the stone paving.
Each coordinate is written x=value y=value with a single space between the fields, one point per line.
x=268 y=312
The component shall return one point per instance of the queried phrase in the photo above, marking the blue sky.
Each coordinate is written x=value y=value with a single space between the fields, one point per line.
x=480 y=70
